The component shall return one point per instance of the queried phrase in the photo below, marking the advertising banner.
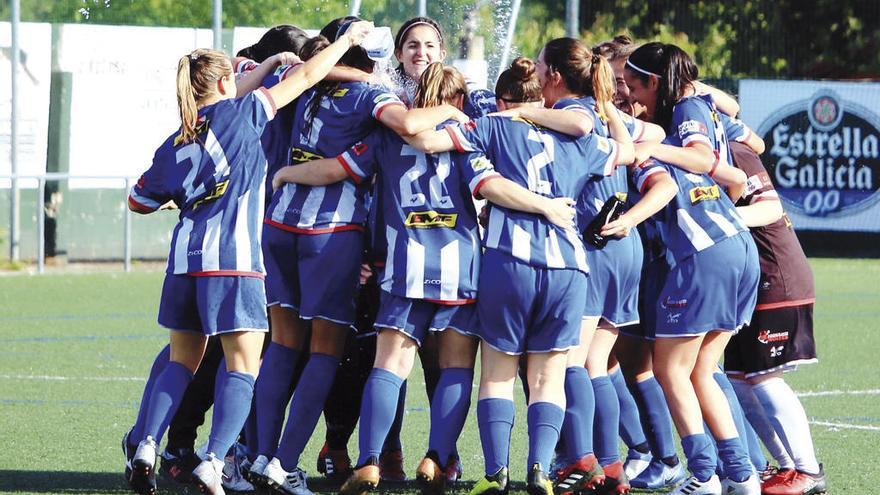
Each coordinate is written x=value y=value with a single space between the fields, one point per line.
x=823 y=149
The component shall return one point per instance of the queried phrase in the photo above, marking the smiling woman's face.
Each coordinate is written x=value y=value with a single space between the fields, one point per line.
x=421 y=47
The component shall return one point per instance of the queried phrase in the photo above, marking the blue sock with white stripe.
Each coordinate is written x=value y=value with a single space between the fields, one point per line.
x=271 y=395
x=452 y=399
x=306 y=407
x=700 y=454
x=655 y=417
x=392 y=440
x=137 y=430
x=736 y=411
x=580 y=408
x=233 y=394
x=544 y=422
x=165 y=398
x=378 y=408
x=630 y=425
x=606 y=422
x=495 y=419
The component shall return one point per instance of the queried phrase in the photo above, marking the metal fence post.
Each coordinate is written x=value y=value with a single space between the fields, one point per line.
x=41 y=225
x=127 y=242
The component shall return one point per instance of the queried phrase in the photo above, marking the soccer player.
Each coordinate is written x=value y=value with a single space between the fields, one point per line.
x=708 y=242
x=756 y=357
x=313 y=244
x=213 y=168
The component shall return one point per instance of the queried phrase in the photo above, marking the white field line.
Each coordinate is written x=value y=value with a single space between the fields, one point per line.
x=824 y=393
x=845 y=426
x=51 y=378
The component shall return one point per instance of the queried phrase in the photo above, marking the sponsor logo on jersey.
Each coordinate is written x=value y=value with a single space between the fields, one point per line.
x=672 y=317
x=481 y=163
x=339 y=93
x=201 y=128
x=469 y=125
x=692 y=127
x=704 y=193
x=767 y=337
x=753 y=185
x=603 y=144
x=218 y=191
x=674 y=303
x=696 y=179
x=360 y=148
x=299 y=155
x=430 y=220
x=823 y=153
x=432 y=281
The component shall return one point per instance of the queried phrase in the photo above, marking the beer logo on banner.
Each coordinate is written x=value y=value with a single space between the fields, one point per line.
x=824 y=154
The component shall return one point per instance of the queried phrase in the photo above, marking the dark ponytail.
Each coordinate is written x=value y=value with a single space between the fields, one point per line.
x=674 y=69
x=519 y=83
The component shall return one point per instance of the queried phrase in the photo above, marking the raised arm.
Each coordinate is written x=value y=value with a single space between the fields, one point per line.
x=652 y=133
x=431 y=141
x=732 y=178
x=723 y=101
x=761 y=213
x=570 y=122
x=314 y=173
x=318 y=66
x=626 y=153
x=509 y=194
x=697 y=158
x=411 y=122
x=253 y=79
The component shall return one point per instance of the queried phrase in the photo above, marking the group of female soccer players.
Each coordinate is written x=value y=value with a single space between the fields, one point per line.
x=609 y=233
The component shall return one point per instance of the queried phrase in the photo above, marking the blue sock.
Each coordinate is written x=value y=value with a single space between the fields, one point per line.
x=756 y=453
x=544 y=422
x=580 y=407
x=734 y=458
x=137 y=430
x=607 y=420
x=495 y=419
x=271 y=395
x=232 y=403
x=306 y=407
x=739 y=418
x=452 y=399
x=701 y=458
x=165 y=397
x=630 y=425
x=250 y=432
x=378 y=408
x=392 y=440
x=655 y=417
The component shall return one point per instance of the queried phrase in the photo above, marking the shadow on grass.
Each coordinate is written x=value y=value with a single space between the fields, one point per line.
x=12 y=481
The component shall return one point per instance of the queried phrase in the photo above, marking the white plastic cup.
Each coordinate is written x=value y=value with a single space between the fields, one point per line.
x=379 y=44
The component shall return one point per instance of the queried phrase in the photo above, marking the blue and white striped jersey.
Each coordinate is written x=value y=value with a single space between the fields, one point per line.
x=428 y=217
x=696 y=120
x=699 y=216
x=218 y=183
x=344 y=117
x=547 y=163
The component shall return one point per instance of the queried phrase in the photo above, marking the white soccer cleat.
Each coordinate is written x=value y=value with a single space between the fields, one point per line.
x=208 y=476
x=635 y=463
x=751 y=486
x=257 y=471
x=143 y=467
x=693 y=486
x=233 y=478
x=292 y=483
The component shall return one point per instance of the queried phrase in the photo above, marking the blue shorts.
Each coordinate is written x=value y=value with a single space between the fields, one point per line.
x=613 y=284
x=653 y=277
x=715 y=289
x=522 y=308
x=213 y=305
x=316 y=275
x=416 y=317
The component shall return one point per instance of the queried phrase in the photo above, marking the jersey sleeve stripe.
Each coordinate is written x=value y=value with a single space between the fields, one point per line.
x=142 y=203
x=353 y=171
x=579 y=109
x=244 y=65
x=746 y=134
x=287 y=72
x=611 y=163
x=765 y=196
x=696 y=138
x=457 y=139
x=643 y=179
x=268 y=102
x=479 y=181
x=380 y=107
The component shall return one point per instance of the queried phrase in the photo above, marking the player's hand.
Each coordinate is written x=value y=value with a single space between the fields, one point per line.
x=643 y=152
x=278 y=179
x=366 y=273
x=510 y=112
x=283 y=58
x=483 y=217
x=458 y=115
x=560 y=211
x=618 y=228
x=358 y=31
x=171 y=205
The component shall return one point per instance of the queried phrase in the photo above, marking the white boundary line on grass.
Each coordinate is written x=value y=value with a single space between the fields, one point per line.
x=824 y=393
x=846 y=426
x=50 y=378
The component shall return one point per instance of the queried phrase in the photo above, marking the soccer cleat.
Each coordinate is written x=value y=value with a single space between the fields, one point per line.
x=290 y=483
x=391 y=466
x=659 y=475
x=128 y=451
x=616 y=481
x=208 y=476
x=693 y=486
x=494 y=484
x=233 y=470
x=769 y=472
x=584 y=474
x=537 y=481
x=334 y=464
x=798 y=483
x=363 y=479
x=178 y=466
x=636 y=462
x=256 y=472
x=452 y=470
x=751 y=486
x=143 y=464
x=430 y=476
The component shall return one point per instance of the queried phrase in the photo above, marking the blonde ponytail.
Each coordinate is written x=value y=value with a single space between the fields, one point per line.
x=197 y=76
x=439 y=84
x=604 y=86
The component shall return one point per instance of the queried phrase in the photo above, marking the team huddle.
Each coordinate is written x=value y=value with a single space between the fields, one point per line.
x=600 y=225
